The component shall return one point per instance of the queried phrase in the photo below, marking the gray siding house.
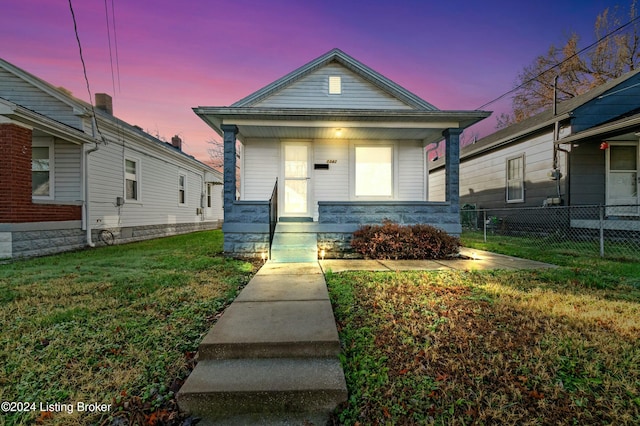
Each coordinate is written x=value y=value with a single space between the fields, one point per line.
x=334 y=145
x=587 y=153
x=72 y=177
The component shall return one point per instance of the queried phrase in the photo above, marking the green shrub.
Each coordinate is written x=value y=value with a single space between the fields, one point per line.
x=393 y=241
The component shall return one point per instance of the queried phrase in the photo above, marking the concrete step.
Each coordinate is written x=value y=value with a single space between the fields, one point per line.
x=248 y=390
x=303 y=328
x=294 y=247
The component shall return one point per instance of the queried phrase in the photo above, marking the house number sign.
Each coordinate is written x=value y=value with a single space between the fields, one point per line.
x=332 y=161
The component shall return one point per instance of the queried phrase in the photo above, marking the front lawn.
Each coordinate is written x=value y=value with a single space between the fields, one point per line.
x=117 y=325
x=491 y=347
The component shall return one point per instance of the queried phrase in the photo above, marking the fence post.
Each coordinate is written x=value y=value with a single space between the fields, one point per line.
x=601 y=231
x=484 y=224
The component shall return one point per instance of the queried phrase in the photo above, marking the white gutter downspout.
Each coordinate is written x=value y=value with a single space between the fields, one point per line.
x=426 y=170
x=85 y=210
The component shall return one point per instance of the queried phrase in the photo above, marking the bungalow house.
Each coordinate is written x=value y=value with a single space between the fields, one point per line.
x=583 y=152
x=75 y=176
x=325 y=149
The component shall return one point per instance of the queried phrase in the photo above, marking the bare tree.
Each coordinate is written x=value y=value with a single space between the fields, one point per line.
x=615 y=53
x=216 y=157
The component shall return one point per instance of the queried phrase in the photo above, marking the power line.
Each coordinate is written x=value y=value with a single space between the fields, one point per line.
x=115 y=41
x=560 y=63
x=84 y=69
x=106 y=14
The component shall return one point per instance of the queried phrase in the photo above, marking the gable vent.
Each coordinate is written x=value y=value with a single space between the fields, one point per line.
x=335 y=85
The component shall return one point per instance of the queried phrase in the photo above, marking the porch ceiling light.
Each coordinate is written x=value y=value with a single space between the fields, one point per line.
x=338 y=133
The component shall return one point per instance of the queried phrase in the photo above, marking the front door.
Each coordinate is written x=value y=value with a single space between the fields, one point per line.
x=622 y=178
x=296 y=178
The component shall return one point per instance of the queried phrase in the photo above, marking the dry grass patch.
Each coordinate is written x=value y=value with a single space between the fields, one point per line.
x=485 y=348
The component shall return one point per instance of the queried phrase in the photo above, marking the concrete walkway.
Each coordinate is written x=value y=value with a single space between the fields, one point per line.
x=272 y=357
x=469 y=260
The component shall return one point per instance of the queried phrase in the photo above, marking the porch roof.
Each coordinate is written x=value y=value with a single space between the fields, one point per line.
x=323 y=123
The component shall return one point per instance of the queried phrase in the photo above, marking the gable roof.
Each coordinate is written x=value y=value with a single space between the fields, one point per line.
x=355 y=66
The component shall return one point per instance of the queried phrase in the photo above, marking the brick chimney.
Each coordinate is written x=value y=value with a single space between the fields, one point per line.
x=104 y=102
x=176 y=142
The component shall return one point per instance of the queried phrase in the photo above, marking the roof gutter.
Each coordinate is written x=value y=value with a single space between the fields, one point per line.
x=607 y=128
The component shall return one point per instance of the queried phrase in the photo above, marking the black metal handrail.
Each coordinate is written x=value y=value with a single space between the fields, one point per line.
x=273 y=214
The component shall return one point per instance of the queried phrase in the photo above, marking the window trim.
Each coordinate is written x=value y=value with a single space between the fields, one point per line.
x=45 y=143
x=394 y=170
x=521 y=157
x=182 y=189
x=138 y=179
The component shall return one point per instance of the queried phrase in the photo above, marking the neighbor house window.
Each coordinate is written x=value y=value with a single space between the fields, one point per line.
x=373 y=171
x=132 y=179
x=182 y=189
x=42 y=171
x=335 y=85
x=515 y=179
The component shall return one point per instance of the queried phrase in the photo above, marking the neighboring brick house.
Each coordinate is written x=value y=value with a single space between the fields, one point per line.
x=69 y=179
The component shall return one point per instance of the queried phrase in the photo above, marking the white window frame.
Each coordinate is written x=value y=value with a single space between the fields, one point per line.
x=520 y=180
x=182 y=189
x=394 y=171
x=136 y=176
x=45 y=143
x=335 y=85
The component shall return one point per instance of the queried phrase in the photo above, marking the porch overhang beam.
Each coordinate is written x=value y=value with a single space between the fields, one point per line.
x=344 y=124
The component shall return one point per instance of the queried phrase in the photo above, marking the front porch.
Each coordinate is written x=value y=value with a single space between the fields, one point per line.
x=335 y=145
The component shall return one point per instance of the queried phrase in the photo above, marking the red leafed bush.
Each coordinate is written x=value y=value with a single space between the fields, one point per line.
x=393 y=241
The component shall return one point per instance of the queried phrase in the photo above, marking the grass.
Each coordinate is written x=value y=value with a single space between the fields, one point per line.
x=117 y=325
x=557 y=346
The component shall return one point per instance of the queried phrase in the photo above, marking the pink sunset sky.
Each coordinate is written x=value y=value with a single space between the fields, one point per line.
x=175 y=55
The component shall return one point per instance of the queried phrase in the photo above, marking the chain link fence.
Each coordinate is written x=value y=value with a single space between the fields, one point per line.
x=610 y=231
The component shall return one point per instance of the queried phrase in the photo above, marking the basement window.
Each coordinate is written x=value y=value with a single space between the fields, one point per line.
x=335 y=85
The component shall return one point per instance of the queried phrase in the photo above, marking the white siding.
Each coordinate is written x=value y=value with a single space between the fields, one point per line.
x=410 y=171
x=484 y=177
x=67 y=173
x=158 y=188
x=312 y=91
x=261 y=168
x=23 y=93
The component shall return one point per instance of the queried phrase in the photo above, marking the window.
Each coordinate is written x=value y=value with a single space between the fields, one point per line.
x=42 y=171
x=373 y=171
x=209 y=186
x=335 y=85
x=515 y=179
x=132 y=179
x=182 y=189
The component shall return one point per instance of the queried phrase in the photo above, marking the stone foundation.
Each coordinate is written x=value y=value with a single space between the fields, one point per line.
x=139 y=233
x=23 y=240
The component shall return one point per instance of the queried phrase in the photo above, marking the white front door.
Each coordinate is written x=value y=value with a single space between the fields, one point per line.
x=296 y=175
x=622 y=178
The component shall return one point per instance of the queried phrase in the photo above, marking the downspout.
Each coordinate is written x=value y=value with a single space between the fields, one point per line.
x=426 y=169
x=556 y=146
x=85 y=210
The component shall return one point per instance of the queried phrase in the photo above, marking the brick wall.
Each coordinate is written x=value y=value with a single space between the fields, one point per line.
x=16 y=205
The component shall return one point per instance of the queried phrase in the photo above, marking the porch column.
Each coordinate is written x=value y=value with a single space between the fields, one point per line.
x=452 y=166
x=230 y=132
